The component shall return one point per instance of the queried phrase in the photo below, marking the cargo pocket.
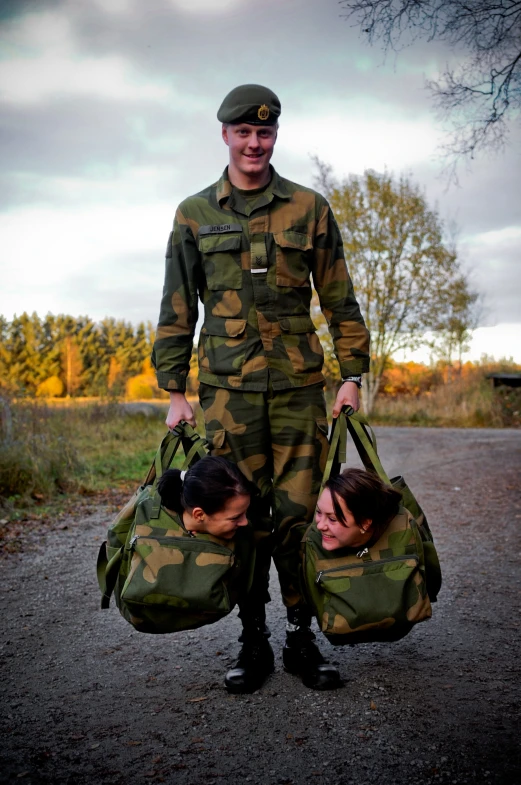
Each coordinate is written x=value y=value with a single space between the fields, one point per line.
x=221 y=261
x=222 y=346
x=301 y=344
x=293 y=256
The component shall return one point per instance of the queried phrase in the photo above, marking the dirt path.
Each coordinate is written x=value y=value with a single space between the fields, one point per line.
x=87 y=700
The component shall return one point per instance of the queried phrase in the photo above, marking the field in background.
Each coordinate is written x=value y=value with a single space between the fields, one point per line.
x=51 y=454
x=55 y=452
x=458 y=405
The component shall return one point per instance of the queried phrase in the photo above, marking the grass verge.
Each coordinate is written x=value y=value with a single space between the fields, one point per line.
x=53 y=458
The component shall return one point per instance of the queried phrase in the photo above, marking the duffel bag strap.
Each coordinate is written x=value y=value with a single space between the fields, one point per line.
x=365 y=444
x=193 y=445
x=364 y=441
x=336 y=455
x=183 y=434
x=107 y=572
x=165 y=453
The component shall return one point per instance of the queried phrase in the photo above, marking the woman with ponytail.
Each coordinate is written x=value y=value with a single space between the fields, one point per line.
x=212 y=497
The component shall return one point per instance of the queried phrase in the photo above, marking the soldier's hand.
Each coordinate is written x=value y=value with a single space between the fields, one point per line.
x=347 y=396
x=179 y=410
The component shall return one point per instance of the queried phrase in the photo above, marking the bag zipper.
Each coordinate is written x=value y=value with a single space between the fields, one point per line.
x=355 y=566
x=215 y=547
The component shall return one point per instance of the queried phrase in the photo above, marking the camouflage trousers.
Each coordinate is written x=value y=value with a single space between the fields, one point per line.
x=279 y=441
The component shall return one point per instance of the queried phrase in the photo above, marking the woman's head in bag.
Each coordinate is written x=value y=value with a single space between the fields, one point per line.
x=212 y=496
x=354 y=509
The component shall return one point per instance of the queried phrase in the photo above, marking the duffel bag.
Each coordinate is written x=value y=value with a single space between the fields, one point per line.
x=163 y=578
x=380 y=592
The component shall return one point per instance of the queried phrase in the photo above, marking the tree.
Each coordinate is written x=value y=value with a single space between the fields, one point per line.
x=5 y=356
x=72 y=366
x=27 y=366
x=50 y=388
x=483 y=92
x=404 y=274
x=453 y=333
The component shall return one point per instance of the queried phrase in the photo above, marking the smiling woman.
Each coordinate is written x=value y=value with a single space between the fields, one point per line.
x=212 y=497
x=354 y=508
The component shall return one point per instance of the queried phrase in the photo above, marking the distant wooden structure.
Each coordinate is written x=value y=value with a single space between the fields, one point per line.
x=505 y=379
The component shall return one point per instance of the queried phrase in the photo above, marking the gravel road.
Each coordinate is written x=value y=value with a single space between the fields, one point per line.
x=87 y=700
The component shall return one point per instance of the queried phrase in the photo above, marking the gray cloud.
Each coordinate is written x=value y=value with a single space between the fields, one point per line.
x=302 y=48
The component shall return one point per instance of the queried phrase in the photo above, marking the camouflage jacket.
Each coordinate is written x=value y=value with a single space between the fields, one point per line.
x=251 y=264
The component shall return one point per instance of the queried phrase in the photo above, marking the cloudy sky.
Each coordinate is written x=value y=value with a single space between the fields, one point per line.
x=108 y=121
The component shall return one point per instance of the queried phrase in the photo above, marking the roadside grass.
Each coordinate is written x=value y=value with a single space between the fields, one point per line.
x=462 y=404
x=456 y=405
x=52 y=453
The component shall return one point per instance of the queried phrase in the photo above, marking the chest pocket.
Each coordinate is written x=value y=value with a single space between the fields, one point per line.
x=293 y=258
x=221 y=254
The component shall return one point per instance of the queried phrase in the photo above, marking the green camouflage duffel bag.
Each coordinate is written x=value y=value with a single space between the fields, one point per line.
x=163 y=579
x=380 y=592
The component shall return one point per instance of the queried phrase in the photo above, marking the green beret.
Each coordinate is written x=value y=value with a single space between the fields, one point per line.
x=250 y=103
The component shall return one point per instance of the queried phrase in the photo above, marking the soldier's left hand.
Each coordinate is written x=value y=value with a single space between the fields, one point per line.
x=347 y=396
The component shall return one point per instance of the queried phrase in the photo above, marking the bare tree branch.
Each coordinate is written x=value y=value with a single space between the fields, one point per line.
x=482 y=96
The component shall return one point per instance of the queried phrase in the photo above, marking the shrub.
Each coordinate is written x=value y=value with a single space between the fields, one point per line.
x=36 y=451
x=50 y=388
x=140 y=388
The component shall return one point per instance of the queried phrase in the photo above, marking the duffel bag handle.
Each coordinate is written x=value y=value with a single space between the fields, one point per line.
x=364 y=441
x=194 y=447
x=182 y=435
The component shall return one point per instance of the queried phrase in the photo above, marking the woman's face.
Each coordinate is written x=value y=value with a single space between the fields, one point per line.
x=225 y=522
x=335 y=534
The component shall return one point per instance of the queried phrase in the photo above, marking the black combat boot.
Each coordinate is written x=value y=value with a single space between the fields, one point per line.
x=302 y=657
x=256 y=660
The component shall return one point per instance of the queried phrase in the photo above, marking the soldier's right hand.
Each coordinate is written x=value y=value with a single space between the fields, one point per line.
x=179 y=410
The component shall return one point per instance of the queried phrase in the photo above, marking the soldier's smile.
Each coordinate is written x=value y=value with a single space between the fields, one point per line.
x=251 y=148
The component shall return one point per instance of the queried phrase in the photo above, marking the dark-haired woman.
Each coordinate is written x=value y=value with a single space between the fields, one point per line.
x=212 y=497
x=354 y=509
x=370 y=569
x=197 y=555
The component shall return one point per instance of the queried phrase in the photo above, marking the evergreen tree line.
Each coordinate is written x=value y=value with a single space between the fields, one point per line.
x=72 y=356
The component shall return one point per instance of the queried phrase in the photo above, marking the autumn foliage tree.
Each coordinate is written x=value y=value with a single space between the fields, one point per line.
x=89 y=358
x=454 y=329
x=405 y=276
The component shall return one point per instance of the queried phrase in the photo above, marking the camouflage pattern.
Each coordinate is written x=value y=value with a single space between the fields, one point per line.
x=376 y=594
x=251 y=265
x=163 y=578
x=279 y=441
x=170 y=580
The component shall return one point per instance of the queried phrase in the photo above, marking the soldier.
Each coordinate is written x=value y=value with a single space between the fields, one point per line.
x=247 y=247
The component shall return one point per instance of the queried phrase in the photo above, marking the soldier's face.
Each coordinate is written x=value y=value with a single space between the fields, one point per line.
x=225 y=522
x=251 y=147
x=336 y=534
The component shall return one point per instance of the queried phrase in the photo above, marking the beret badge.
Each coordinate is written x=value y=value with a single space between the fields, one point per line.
x=263 y=112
